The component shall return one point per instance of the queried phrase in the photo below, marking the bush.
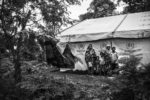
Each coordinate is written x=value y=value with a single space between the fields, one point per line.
x=136 y=83
x=36 y=85
x=42 y=88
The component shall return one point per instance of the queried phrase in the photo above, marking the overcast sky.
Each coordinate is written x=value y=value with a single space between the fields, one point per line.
x=79 y=9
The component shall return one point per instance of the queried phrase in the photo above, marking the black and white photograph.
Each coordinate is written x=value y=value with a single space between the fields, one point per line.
x=74 y=49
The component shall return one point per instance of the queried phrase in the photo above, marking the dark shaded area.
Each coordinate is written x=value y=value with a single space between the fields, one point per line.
x=99 y=8
x=136 y=6
x=69 y=57
x=53 y=56
x=79 y=72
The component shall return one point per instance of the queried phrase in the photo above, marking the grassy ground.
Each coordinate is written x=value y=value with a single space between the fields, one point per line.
x=89 y=86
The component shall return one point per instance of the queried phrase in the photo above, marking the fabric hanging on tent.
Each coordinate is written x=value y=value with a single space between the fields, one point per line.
x=61 y=47
x=137 y=47
x=79 y=49
x=124 y=47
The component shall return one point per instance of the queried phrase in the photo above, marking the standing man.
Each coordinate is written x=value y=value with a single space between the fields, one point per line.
x=107 y=58
x=108 y=49
x=114 y=58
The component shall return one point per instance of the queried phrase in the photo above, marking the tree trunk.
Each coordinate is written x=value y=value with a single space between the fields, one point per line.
x=17 y=64
x=17 y=74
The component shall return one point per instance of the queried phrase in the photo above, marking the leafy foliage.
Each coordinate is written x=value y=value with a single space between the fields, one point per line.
x=99 y=8
x=136 y=6
x=134 y=82
x=56 y=15
x=36 y=84
x=18 y=19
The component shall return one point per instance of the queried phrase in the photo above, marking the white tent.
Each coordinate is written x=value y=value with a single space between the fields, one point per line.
x=129 y=33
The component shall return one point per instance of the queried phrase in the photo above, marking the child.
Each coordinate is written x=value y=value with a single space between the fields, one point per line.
x=93 y=62
x=102 y=63
x=97 y=69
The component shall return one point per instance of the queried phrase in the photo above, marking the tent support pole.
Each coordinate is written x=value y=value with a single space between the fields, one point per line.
x=117 y=28
x=111 y=44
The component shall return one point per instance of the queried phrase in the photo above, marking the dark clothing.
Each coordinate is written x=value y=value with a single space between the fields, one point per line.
x=90 y=58
x=97 y=67
x=89 y=54
x=113 y=66
x=94 y=61
x=90 y=70
x=107 y=59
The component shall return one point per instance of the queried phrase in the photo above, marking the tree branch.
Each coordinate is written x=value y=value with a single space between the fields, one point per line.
x=34 y=23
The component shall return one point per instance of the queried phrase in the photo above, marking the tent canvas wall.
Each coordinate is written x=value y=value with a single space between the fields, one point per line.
x=129 y=33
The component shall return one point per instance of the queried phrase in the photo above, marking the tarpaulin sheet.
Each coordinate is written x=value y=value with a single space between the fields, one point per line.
x=92 y=29
x=136 y=25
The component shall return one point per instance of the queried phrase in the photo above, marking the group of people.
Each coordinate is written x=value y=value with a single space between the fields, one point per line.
x=104 y=63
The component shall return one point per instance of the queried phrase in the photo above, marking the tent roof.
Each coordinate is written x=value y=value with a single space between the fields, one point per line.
x=135 y=25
